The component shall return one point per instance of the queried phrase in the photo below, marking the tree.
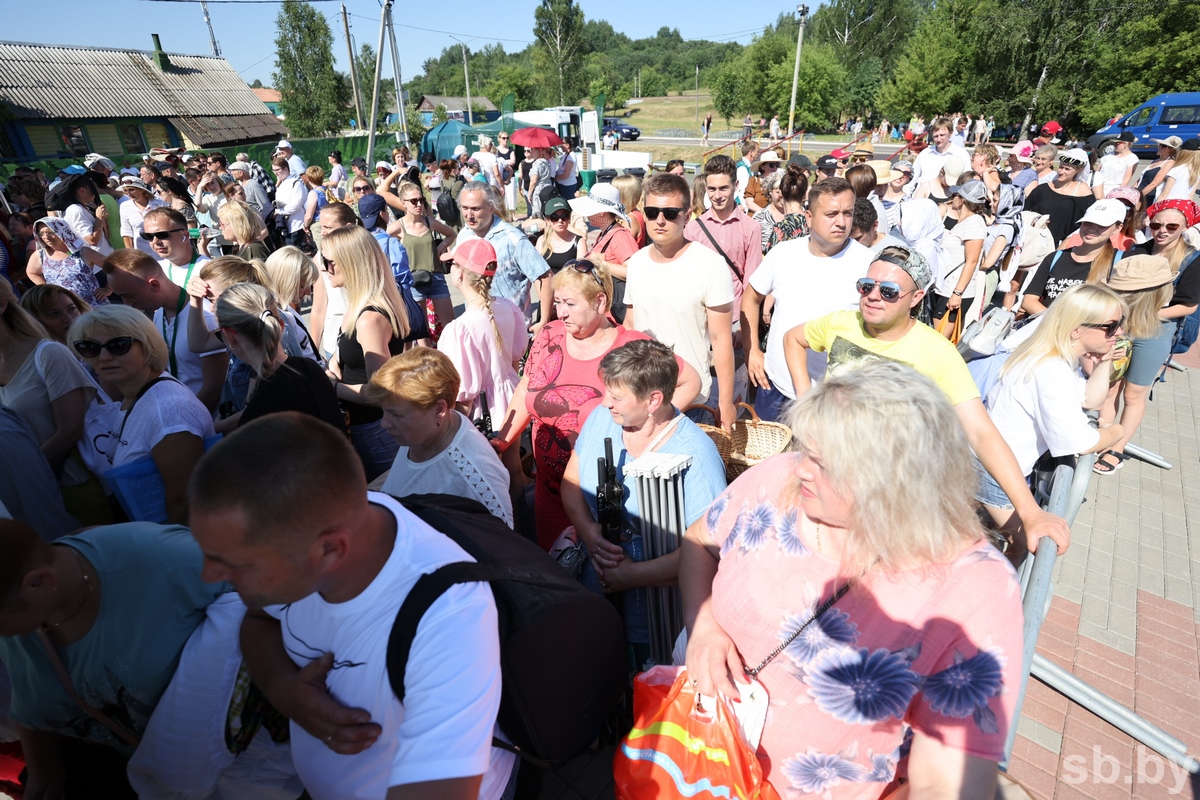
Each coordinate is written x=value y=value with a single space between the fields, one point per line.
x=558 y=26
x=865 y=84
x=861 y=29
x=512 y=79
x=364 y=66
x=311 y=96
x=257 y=84
x=820 y=90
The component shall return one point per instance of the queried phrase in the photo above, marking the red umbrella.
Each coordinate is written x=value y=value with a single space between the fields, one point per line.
x=536 y=137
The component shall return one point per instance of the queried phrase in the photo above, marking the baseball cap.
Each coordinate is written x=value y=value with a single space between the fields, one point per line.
x=1126 y=136
x=916 y=265
x=359 y=162
x=476 y=255
x=239 y=166
x=1105 y=212
x=284 y=143
x=1052 y=127
x=1127 y=193
x=827 y=162
x=840 y=154
x=75 y=169
x=1190 y=144
x=971 y=191
x=801 y=160
x=554 y=205
x=369 y=209
x=460 y=150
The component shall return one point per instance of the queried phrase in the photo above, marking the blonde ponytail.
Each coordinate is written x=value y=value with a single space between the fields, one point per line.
x=482 y=286
x=253 y=312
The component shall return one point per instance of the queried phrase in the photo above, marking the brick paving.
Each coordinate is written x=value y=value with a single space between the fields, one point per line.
x=1124 y=618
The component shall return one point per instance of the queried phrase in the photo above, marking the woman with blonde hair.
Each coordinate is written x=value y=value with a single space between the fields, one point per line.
x=1183 y=179
x=558 y=244
x=855 y=573
x=251 y=323
x=42 y=381
x=562 y=385
x=241 y=225
x=159 y=417
x=439 y=449
x=630 y=187
x=374 y=328
x=486 y=343
x=1039 y=401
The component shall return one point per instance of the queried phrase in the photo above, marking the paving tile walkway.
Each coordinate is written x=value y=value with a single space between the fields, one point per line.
x=1124 y=618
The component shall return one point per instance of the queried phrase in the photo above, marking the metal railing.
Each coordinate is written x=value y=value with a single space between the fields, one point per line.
x=1066 y=490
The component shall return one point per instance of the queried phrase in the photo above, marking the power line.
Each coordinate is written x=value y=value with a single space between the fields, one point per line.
x=446 y=33
x=236 y=2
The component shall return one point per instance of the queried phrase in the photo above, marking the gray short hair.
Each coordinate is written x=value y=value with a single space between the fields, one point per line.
x=890 y=443
x=769 y=182
x=642 y=366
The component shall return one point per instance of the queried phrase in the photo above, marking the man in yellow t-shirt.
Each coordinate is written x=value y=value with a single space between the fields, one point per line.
x=884 y=327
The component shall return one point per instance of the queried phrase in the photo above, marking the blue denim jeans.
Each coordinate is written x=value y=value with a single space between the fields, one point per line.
x=375 y=447
x=769 y=403
x=635 y=602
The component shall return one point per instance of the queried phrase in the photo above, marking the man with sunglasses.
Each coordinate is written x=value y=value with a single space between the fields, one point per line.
x=167 y=231
x=683 y=293
x=809 y=277
x=885 y=327
x=141 y=283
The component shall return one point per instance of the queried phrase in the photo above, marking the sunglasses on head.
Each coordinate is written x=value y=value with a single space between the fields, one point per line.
x=1170 y=226
x=584 y=266
x=162 y=236
x=671 y=214
x=118 y=346
x=1070 y=162
x=887 y=289
x=1110 y=328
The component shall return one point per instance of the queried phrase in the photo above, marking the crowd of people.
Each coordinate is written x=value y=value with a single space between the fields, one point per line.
x=238 y=466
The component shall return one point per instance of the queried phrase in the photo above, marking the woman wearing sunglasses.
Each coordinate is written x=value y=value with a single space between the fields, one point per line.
x=1038 y=403
x=558 y=244
x=1146 y=285
x=64 y=260
x=426 y=239
x=561 y=386
x=159 y=417
x=614 y=242
x=1065 y=198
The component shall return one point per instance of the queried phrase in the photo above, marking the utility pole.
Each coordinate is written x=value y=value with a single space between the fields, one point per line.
x=803 y=11
x=383 y=17
x=396 y=78
x=212 y=38
x=467 y=81
x=353 y=72
x=697 y=94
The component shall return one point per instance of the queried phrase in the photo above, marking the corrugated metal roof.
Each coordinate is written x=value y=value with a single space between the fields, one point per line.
x=213 y=131
x=54 y=82
x=430 y=102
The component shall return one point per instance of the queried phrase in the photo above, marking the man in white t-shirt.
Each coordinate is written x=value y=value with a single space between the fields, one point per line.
x=167 y=231
x=929 y=163
x=683 y=292
x=809 y=278
x=1116 y=169
x=325 y=567
x=141 y=283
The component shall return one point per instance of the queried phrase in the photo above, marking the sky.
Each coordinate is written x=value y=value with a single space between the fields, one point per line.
x=246 y=31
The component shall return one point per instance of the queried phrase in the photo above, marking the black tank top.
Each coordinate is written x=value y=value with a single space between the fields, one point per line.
x=354 y=369
x=556 y=261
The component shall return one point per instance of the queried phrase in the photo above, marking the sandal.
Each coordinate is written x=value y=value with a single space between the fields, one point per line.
x=1103 y=467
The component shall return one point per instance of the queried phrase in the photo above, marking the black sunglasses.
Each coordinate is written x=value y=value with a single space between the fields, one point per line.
x=362 y=188
x=1170 y=226
x=887 y=289
x=671 y=214
x=586 y=267
x=1070 y=162
x=162 y=236
x=560 y=216
x=118 y=346
x=329 y=265
x=417 y=200
x=1110 y=328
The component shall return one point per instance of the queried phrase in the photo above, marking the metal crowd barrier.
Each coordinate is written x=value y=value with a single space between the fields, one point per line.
x=1066 y=490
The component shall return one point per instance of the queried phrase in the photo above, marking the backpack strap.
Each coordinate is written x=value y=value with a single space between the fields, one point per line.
x=728 y=260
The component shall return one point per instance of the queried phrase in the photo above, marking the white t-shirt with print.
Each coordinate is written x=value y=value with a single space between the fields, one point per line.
x=806 y=287
x=167 y=407
x=671 y=302
x=444 y=728
x=469 y=467
x=1041 y=408
x=1111 y=170
x=954 y=250
x=188 y=368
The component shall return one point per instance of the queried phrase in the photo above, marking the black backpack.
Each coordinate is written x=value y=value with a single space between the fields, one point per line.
x=562 y=648
x=447 y=208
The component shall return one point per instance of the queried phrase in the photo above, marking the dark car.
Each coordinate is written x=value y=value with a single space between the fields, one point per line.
x=624 y=131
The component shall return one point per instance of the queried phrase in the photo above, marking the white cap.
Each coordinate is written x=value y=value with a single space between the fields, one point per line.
x=460 y=150
x=284 y=143
x=389 y=166
x=1105 y=212
x=240 y=166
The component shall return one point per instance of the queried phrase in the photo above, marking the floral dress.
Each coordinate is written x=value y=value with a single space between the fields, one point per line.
x=938 y=650
x=71 y=272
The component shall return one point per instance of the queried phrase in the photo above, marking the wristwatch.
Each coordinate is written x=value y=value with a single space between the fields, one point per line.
x=957 y=293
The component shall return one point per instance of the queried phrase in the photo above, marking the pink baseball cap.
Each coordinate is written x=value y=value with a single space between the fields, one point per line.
x=1127 y=193
x=475 y=255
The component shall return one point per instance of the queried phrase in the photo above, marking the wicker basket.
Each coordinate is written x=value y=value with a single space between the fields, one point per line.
x=720 y=438
x=751 y=441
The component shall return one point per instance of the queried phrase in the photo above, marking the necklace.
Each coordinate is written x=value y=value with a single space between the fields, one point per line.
x=90 y=589
x=438 y=444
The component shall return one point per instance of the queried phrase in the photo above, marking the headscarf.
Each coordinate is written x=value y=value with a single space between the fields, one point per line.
x=921 y=226
x=60 y=228
x=1009 y=206
x=1189 y=209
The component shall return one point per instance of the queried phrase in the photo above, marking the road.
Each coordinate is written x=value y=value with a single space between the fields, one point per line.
x=810 y=146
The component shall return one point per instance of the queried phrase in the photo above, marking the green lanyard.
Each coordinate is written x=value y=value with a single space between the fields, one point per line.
x=179 y=304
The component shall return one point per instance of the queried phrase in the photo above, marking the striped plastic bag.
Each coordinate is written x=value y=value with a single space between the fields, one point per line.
x=684 y=745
